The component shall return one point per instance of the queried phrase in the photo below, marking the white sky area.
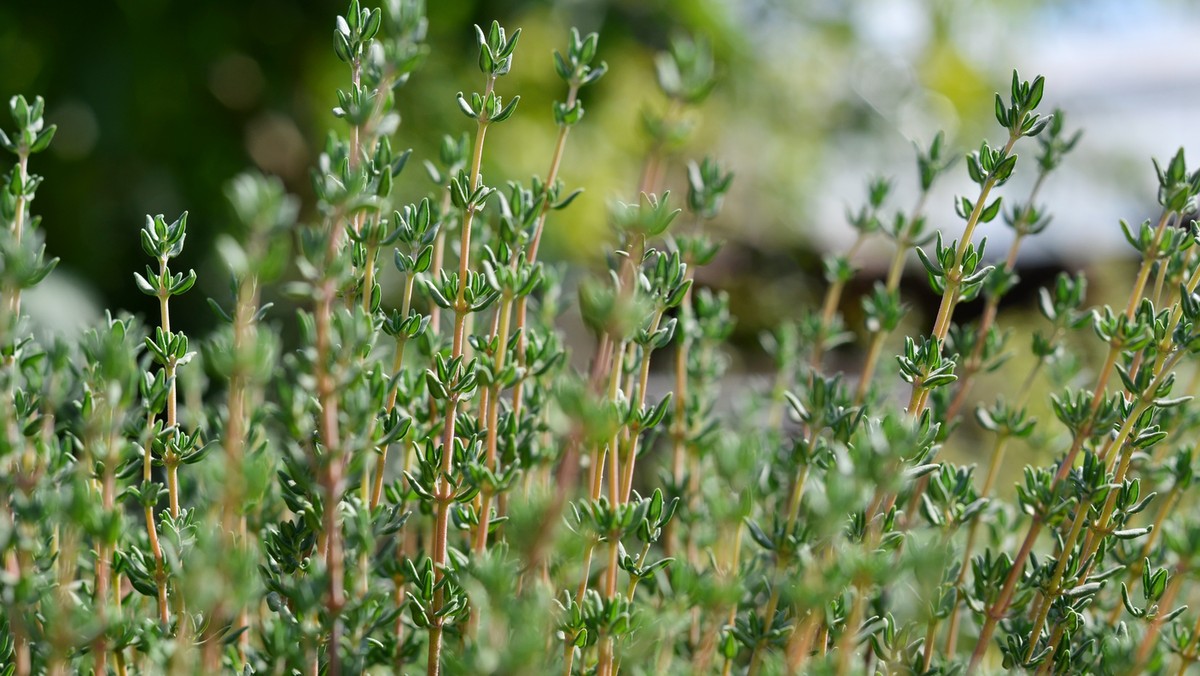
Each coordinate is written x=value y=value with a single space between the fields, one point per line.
x=1127 y=73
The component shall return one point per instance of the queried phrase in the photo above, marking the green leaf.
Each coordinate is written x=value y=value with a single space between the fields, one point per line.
x=466 y=107
x=43 y=139
x=487 y=62
x=144 y=285
x=1004 y=170
x=566 y=201
x=933 y=382
x=930 y=267
x=1001 y=113
x=990 y=212
x=974 y=170
x=372 y=26
x=985 y=419
x=341 y=46
x=1036 y=126
x=424 y=259
x=435 y=386
x=757 y=534
x=184 y=284
x=511 y=45
x=508 y=110
x=561 y=67
x=1035 y=94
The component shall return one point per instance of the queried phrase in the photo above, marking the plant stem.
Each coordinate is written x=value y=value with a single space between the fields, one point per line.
x=652 y=169
x=930 y=639
x=160 y=575
x=829 y=307
x=330 y=435
x=439 y=256
x=493 y=426
x=1000 y=606
x=521 y=310
x=634 y=430
x=1153 y=631
x=1135 y=569
x=992 y=615
x=1000 y=445
x=605 y=351
x=22 y=658
x=708 y=645
x=1054 y=590
x=12 y=295
x=608 y=643
x=1188 y=654
x=443 y=491
x=368 y=285
x=608 y=348
x=236 y=430
x=991 y=306
x=800 y=644
x=1162 y=367
x=845 y=642
x=169 y=459
x=393 y=391
x=941 y=325
x=560 y=146
x=679 y=426
x=998 y=449
x=895 y=268
x=104 y=549
x=568 y=655
x=781 y=561
x=332 y=474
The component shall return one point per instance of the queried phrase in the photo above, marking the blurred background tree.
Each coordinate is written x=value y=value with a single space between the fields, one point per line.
x=159 y=103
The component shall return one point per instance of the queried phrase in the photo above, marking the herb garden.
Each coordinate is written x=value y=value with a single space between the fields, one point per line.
x=428 y=476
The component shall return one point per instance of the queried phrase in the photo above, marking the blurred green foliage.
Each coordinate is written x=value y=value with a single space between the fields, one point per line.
x=159 y=103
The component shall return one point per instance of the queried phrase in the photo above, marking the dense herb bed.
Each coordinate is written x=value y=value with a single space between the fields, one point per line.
x=424 y=482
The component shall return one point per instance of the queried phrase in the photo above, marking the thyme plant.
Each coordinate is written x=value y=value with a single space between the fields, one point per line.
x=424 y=481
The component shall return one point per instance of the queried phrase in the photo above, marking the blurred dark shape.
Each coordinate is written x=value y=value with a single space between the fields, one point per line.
x=159 y=103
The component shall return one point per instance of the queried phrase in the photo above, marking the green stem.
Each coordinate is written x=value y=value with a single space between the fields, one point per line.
x=895 y=269
x=12 y=296
x=393 y=392
x=1188 y=654
x=328 y=426
x=633 y=581
x=1154 y=629
x=1000 y=606
x=1135 y=569
x=781 y=561
x=568 y=655
x=1054 y=589
x=560 y=146
x=634 y=430
x=443 y=492
x=104 y=554
x=974 y=362
x=833 y=298
x=493 y=427
x=998 y=449
x=941 y=325
x=679 y=423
